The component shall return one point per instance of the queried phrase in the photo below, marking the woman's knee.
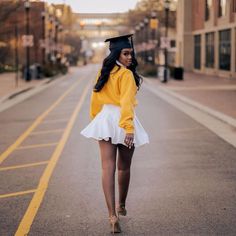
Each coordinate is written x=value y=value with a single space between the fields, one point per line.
x=108 y=166
x=123 y=167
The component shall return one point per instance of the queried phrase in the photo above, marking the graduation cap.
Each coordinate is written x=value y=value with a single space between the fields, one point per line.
x=120 y=42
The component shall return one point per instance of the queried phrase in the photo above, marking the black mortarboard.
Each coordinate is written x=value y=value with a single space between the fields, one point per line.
x=120 y=42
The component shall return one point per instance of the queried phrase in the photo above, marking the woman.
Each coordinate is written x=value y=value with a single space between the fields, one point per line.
x=114 y=123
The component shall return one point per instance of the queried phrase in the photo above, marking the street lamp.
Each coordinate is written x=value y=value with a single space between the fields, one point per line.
x=27 y=69
x=51 y=39
x=57 y=30
x=153 y=26
x=56 y=38
x=141 y=25
x=43 y=15
x=146 y=21
x=167 y=8
x=137 y=40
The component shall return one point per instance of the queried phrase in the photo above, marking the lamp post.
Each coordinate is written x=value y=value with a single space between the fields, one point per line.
x=153 y=26
x=57 y=31
x=137 y=40
x=27 y=69
x=51 y=40
x=60 y=30
x=56 y=38
x=167 y=8
x=146 y=20
x=141 y=25
x=43 y=15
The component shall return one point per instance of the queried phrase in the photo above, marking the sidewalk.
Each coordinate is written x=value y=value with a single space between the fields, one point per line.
x=214 y=95
x=9 y=88
x=12 y=93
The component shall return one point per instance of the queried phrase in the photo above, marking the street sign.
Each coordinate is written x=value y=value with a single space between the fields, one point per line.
x=165 y=42
x=27 y=40
x=153 y=23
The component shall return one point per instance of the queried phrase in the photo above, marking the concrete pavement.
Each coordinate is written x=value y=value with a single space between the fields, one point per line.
x=214 y=95
x=183 y=182
x=11 y=85
x=13 y=90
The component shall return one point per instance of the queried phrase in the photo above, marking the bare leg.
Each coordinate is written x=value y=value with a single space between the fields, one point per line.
x=124 y=163
x=108 y=158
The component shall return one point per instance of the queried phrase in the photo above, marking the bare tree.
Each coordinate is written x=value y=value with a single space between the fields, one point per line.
x=145 y=7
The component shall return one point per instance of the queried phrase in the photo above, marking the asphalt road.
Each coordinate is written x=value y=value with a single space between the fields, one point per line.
x=182 y=183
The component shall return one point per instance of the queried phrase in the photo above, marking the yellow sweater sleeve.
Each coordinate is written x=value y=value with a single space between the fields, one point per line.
x=128 y=91
x=95 y=105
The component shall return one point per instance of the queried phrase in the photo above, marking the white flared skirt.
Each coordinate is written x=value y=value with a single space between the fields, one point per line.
x=105 y=126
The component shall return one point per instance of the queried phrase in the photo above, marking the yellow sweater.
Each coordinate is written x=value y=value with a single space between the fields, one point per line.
x=120 y=90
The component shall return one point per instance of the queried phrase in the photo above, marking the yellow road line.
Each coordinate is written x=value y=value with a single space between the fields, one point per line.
x=37 y=145
x=47 y=131
x=23 y=166
x=31 y=212
x=17 y=143
x=54 y=121
x=17 y=193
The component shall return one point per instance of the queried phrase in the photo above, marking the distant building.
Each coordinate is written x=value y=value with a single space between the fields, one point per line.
x=94 y=28
x=206 y=36
x=46 y=23
x=13 y=23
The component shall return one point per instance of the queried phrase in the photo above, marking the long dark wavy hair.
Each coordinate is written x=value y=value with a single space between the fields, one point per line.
x=108 y=64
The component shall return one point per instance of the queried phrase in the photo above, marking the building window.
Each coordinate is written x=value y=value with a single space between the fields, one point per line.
x=172 y=43
x=207 y=9
x=234 y=6
x=224 y=49
x=210 y=52
x=221 y=8
x=197 y=51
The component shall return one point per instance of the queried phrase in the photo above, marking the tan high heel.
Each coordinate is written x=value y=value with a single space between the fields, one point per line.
x=121 y=210
x=115 y=226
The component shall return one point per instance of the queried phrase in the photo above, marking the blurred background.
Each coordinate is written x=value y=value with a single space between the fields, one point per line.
x=51 y=35
x=42 y=38
x=183 y=182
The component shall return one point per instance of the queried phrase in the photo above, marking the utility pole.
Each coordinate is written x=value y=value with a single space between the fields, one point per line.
x=167 y=8
x=16 y=55
x=27 y=73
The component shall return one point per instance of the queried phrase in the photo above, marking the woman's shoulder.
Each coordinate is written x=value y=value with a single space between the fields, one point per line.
x=121 y=71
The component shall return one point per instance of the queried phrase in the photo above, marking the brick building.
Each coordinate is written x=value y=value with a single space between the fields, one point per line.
x=45 y=22
x=206 y=36
x=13 y=27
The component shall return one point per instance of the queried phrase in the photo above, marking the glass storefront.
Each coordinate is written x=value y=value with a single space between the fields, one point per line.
x=224 y=49
x=197 y=51
x=210 y=50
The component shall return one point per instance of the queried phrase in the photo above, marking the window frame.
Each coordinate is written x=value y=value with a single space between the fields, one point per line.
x=197 y=51
x=210 y=50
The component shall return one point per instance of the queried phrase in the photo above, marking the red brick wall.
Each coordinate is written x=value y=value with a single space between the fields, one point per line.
x=17 y=17
x=198 y=14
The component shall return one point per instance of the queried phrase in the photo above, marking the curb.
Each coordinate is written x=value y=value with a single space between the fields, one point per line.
x=18 y=92
x=216 y=114
x=24 y=93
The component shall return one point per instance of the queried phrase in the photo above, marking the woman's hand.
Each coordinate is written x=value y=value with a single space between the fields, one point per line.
x=129 y=139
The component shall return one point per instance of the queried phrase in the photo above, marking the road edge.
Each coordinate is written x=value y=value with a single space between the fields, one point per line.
x=16 y=97
x=217 y=126
x=216 y=114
